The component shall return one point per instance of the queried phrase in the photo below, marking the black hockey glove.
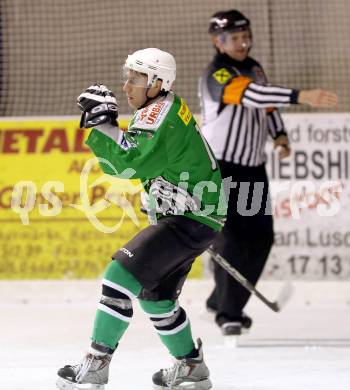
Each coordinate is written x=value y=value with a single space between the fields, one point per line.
x=99 y=105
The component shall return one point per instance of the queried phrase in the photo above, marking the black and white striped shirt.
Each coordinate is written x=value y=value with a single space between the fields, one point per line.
x=239 y=109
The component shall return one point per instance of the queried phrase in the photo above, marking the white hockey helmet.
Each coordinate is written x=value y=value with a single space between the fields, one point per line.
x=156 y=64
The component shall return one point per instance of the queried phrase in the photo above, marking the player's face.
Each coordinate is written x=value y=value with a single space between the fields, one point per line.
x=136 y=90
x=235 y=44
x=135 y=87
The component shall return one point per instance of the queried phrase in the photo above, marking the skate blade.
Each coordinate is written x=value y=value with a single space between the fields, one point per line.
x=242 y=332
x=63 y=384
x=202 y=385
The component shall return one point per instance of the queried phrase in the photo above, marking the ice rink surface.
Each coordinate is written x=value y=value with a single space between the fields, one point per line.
x=46 y=324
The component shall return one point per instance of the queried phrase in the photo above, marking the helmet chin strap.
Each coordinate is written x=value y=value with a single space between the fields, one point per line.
x=149 y=99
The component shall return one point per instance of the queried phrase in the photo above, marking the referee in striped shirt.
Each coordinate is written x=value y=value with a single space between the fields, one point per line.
x=239 y=113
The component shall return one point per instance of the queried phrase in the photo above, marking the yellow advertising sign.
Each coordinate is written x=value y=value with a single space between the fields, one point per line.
x=60 y=215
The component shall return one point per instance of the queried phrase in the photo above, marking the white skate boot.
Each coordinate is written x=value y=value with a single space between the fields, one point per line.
x=92 y=371
x=186 y=374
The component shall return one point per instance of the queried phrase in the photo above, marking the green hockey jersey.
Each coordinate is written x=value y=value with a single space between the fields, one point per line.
x=165 y=149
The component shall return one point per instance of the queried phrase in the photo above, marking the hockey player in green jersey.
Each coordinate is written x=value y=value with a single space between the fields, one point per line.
x=164 y=148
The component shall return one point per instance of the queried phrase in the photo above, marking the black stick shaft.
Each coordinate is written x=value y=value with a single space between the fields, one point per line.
x=242 y=280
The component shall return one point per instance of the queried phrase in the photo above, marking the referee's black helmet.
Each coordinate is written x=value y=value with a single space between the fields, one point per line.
x=230 y=21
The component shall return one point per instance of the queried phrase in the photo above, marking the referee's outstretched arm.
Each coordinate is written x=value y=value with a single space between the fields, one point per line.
x=242 y=90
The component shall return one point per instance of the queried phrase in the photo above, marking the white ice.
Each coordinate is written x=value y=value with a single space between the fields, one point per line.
x=46 y=324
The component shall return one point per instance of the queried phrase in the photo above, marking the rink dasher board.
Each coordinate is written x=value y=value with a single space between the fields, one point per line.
x=311 y=199
x=286 y=343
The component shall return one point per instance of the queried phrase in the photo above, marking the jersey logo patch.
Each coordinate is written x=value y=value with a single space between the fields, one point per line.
x=152 y=116
x=184 y=112
x=149 y=115
x=222 y=75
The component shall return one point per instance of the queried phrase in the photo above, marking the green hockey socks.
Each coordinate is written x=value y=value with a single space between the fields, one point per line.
x=115 y=311
x=172 y=325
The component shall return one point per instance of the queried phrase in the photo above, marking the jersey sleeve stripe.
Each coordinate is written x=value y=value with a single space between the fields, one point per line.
x=266 y=89
x=257 y=104
x=258 y=97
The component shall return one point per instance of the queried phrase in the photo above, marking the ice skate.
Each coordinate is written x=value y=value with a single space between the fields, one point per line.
x=186 y=374
x=237 y=326
x=91 y=373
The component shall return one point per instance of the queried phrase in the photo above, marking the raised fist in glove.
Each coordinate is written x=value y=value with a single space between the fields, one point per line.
x=99 y=105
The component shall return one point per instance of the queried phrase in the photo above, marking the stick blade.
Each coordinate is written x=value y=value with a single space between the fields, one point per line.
x=284 y=295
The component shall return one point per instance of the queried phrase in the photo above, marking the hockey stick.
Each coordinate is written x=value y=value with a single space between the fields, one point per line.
x=276 y=306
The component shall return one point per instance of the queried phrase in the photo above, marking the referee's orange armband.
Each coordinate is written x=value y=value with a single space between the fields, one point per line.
x=234 y=90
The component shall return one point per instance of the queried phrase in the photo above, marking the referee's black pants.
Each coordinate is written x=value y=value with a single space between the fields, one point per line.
x=245 y=241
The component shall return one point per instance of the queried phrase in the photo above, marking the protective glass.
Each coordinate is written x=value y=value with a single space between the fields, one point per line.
x=237 y=40
x=133 y=78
